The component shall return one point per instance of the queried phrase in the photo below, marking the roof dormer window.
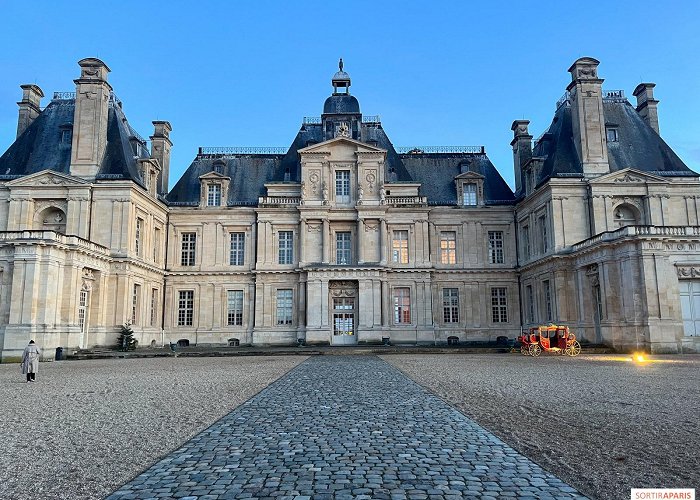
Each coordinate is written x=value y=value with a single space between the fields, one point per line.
x=612 y=134
x=218 y=166
x=214 y=195
x=469 y=194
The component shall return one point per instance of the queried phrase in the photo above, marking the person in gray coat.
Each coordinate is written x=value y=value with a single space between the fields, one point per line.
x=30 y=361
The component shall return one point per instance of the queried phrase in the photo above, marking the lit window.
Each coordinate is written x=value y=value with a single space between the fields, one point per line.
x=234 y=314
x=237 y=250
x=399 y=247
x=342 y=186
x=450 y=305
x=469 y=194
x=286 y=252
x=284 y=307
x=185 y=308
x=496 y=247
x=448 y=247
x=499 y=305
x=342 y=248
x=611 y=134
x=187 y=254
x=402 y=305
x=214 y=195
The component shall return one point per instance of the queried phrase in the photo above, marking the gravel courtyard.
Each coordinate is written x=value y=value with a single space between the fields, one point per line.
x=601 y=423
x=86 y=427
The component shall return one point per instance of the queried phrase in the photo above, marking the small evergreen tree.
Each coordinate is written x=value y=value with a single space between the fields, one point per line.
x=126 y=340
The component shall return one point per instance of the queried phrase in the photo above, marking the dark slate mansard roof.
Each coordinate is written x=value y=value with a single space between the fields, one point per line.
x=638 y=145
x=249 y=172
x=39 y=147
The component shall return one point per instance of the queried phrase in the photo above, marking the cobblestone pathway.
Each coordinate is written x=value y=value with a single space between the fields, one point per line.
x=345 y=427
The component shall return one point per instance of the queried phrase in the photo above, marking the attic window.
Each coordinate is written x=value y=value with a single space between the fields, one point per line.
x=469 y=194
x=611 y=134
x=66 y=136
x=218 y=167
x=214 y=195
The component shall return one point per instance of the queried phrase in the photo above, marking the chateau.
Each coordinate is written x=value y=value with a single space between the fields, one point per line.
x=343 y=238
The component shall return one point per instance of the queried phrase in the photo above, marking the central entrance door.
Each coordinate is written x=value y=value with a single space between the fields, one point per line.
x=343 y=298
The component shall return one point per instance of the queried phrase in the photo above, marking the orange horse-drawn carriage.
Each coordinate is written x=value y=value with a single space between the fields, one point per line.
x=551 y=338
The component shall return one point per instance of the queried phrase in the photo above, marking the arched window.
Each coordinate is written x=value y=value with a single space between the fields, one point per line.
x=626 y=215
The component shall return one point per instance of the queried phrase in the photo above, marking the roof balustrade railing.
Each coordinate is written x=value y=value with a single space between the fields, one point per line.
x=241 y=150
x=440 y=149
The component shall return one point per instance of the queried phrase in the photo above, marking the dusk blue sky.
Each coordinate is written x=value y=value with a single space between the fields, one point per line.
x=438 y=73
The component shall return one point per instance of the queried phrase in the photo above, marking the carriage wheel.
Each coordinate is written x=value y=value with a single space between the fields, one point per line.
x=574 y=349
x=535 y=349
x=524 y=350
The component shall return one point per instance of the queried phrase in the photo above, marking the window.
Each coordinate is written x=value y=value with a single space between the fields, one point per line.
x=499 y=305
x=66 y=136
x=286 y=252
x=185 y=308
x=399 y=247
x=234 y=310
x=284 y=307
x=526 y=242
x=547 y=300
x=135 y=305
x=214 y=195
x=530 y=304
x=448 y=247
x=237 y=251
x=187 y=255
x=542 y=220
x=469 y=194
x=154 y=306
x=342 y=186
x=82 y=310
x=496 y=247
x=611 y=134
x=402 y=305
x=450 y=305
x=156 y=244
x=343 y=247
x=139 y=232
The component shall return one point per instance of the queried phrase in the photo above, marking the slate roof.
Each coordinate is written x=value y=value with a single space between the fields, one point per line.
x=638 y=146
x=40 y=147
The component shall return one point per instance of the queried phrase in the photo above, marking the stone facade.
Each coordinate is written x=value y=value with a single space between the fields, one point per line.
x=344 y=239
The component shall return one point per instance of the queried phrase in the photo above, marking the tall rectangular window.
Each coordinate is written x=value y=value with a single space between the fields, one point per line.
x=154 y=306
x=448 y=247
x=343 y=247
x=342 y=186
x=187 y=254
x=399 y=247
x=139 y=232
x=526 y=242
x=156 y=245
x=496 y=247
x=237 y=250
x=547 y=300
x=286 y=247
x=284 y=307
x=530 y=304
x=83 y=309
x=499 y=305
x=402 y=305
x=214 y=195
x=450 y=305
x=543 y=233
x=469 y=194
x=234 y=310
x=185 y=308
x=135 y=305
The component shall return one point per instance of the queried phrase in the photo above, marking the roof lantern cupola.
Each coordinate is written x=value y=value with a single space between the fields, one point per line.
x=341 y=80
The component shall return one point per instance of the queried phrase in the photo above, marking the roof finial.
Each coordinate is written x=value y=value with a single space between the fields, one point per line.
x=340 y=64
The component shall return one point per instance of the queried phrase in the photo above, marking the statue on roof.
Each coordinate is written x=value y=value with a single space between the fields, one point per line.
x=340 y=64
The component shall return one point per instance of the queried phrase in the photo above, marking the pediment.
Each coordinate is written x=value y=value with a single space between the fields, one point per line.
x=327 y=146
x=470 y=175
x=214 y=176
x=47 y=178
x=629 y=176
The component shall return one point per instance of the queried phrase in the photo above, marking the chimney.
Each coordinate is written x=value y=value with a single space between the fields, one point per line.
x=588 y=120
x=92 y=95
x=522 y=150
x=28 y=106
x=647 y=105
x=160 y=150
